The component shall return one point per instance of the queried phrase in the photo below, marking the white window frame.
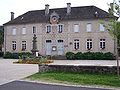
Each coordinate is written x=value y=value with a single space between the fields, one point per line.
x=89 y=44
x=14 y=46
x=102 y=27
x=102 y=44
x=76 y=44
x=24 y=45
x=89 y=27
x=48 y=28
x=76 y=28
x=24 y=30
x=14 y=31
x=60 y=28
x=34 y=30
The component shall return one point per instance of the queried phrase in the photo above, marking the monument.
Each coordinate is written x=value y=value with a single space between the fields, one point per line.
x=34 y=50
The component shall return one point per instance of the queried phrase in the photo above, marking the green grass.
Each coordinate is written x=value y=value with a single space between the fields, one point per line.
x=78 y=78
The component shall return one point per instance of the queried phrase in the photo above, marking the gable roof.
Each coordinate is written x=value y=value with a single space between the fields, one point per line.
x=77 y=13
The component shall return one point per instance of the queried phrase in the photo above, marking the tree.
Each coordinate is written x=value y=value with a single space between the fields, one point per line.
x=114 y=27
x=1 y=37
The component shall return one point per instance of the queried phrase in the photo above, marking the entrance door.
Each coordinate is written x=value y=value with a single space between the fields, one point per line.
x=48 y=47
x=60 y=47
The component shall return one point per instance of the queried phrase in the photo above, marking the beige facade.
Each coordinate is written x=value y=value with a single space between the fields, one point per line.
x=61 y=42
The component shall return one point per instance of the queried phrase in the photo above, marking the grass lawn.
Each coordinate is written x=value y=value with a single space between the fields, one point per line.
x=78 y=78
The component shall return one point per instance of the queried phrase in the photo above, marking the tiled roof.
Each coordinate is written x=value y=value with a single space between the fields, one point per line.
x=77 y=13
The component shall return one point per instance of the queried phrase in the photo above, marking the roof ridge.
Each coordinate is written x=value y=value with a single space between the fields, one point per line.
x=63 y=8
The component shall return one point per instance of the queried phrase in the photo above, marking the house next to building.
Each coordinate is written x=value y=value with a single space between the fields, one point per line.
x=60 y=30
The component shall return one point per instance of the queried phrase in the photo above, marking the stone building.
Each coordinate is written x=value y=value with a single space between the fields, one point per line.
x=60 y=30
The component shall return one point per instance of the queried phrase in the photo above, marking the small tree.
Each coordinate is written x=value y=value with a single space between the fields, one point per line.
x=114 y=27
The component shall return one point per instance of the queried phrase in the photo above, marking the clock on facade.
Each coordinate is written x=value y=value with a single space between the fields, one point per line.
x=54 y=18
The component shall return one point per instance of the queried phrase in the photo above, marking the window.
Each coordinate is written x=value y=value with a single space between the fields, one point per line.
x=14 y=31
x=89 y=27
x=13 y=45
x=23 y=30
x=23 y=45
x=48 y=41
x=76 y=28
x=59 y=41
x=34 y=30
x=60 y=28
x=89 y=44
x=76 y=44
x=102 y=44
x=102 y=27
x=48 y=28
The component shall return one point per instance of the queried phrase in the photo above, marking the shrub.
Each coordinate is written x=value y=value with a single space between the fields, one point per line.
x=15 y=55
x=1 y=54
x=25 y=54
x=70 y=55
x=8 y=55
x=108 y=56
x=90 y=56
x=78 y=56
x=99 y=56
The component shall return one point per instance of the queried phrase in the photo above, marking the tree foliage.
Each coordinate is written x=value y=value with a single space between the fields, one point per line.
x=1 y=36
x=114 y=26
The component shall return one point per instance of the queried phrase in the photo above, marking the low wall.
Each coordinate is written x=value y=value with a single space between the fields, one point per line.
x=72 y=68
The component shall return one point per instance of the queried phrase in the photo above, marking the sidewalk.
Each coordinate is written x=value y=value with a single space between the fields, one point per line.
x=10 y=72
x=86 y=62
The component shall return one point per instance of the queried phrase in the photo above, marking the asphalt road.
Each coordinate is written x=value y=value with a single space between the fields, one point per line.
x=22 y=85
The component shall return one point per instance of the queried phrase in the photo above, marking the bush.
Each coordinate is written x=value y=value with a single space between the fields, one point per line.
x=99 y=56
x=1 y=54
x=70 y=55
x=8 y=55
x=108 y=56
x=78 y=56
x=15 y=55
x=90 y=56
x=26 y=54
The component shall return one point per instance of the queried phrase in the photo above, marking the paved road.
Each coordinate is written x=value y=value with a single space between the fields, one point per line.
x=10 y=72
x=22 y=85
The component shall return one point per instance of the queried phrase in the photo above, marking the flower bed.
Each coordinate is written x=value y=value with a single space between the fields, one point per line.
x=35 y=60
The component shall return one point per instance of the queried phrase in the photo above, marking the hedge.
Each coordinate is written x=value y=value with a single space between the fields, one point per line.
x=90 y=56
x=1 y=54
x=9 y=55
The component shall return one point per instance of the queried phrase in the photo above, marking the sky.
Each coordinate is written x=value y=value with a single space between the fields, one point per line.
x=20 y=7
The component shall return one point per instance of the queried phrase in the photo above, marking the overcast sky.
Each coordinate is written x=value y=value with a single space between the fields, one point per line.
x=21 y=6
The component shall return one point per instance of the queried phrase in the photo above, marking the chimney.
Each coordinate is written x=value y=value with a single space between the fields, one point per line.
x=46 y=9
x=12 y=15
x=68 y=8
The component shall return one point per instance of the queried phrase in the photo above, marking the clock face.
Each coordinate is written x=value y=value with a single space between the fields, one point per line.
x=54 y=18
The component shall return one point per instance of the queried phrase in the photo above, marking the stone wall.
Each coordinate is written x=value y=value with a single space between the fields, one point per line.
x=72 y=68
